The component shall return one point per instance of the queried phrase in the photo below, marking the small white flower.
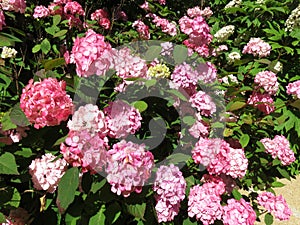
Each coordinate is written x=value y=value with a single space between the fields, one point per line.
x=233 y=56
x=233 y=3
x=8 y=52
x=224 y=33
x=278 y=67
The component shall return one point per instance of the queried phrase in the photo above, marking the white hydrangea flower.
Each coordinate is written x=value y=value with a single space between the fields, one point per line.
x=233 y=3
x=293 y=20
x=233 y=56
x=224 y=33
x=278 y=66
x=8 y=52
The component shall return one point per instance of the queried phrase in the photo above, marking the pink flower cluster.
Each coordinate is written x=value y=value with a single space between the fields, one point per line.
x=13 y=5
x=185 y=76
x=199 y=34
x=238 y=212
x=101 y=16
x=263 y=102
x=129 y=166
x=12 y=135
x=122 y=119
x=203 y=103
x=257 y=47
x=219 y=157
x=294 y=88
x=200 y=128
x=268 y=81
x=164 y=24
x=2 y=20
x=41 y=11
x=46 y=172
x=196 y=11
x=142 y=28
x=46 y=103
x=275 y=205
x=279 y=147
x=86 y=51
x=170 y=187
x=207 y=72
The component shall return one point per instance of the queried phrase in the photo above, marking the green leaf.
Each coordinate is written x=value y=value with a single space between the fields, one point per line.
x=97 y=186
x=236 y=194
x=269 y=219
x=113 y=212
x=150 y=83
x=36 y=48
x=67 y=188
x=18 y=117
x=140 y=105
x=99 y=218
x=45 y=46
x=277 y=184
x=177 y=94
x=25 y=153
x=180 y=54
x=244 y=140
x=284 y=173
x=60 y=33
x=8 y=164
x=178 y=157
x=15 y=200
x=6 y=122
x=2 y=218
x=189 y=222
x=137 y=210
x=56 y=20
x=52 y=63
x=189 y=120
x=152 y=52
x=236 y=106
x=60 y=140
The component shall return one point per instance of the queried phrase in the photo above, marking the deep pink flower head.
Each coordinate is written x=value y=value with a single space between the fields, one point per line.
x=275 y=204
x=207 y=72
x=263 y=102
x=268 y=81
x=73 y=8
x=294 y=88
x=87 y=50
x=129 y=166
x=41 y=11
x=46 y=103
x=203 y=103
x=142 y=28
x=46 y=172
x=204 y=204
x=279 y=147
x=101 y=16
x=238 y=212
x=170 y=187
x=165 y=25
x=122 y=119
x=13 y=5
x=257 y=47
x=2 y=20
x=55 y=8
x=81 y=148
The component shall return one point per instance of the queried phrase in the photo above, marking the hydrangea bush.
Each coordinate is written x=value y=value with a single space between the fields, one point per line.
x=148 y=112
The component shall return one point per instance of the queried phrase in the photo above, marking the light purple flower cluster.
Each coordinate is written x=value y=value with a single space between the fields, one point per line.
x=275 y=204
x=279 y=147
x=294 y=88
x=238 y=212
x=46 y=172
x=263 y=102
x=257 y=47
x=170 y=187
x=129 y=166
x=203 y=103
x=268 y=81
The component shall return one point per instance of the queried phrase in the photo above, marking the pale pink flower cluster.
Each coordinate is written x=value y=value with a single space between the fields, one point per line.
x=101 y=16
x=13 y=5
x=279 y=147
x=41 y=11
x=12 y=135
x=238 y=212
x=263 y=102
x=206 y=72
x=257 y=47
x=220 y=158
x=88 y=50
x=142 y=28
x=165 y=25
x=185 y=76
x=196 y=11
x=200 y=128
x=122 y=119
x=46 y=103
x=204 y=203
x=268 y=81
x=203 y=103
x=276 y=205
x=167 y=48
x=46 y=172
x=199 y=34
x=129 y=166
x=170 y=187
x=294 y=88
x=2 y=19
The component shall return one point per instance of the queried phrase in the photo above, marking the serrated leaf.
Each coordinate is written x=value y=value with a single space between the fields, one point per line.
x=45 y=46
x=244 y=140
x=99 y=218
x=141 y=106
x=36 y=48
x=18 y=117
x=60 y=33
x=52 y=63
x=269 y=219
x=180 y=54
x=152 y=53
x=236 y=194
x=67 y=188
x=137 y=210
x=8 y=164
x=236 y=105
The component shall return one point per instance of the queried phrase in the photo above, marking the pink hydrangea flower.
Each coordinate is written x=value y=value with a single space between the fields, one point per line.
x=279 y=147
x=257 y=47
x=142 y=28
x=184 y=76
x=46 y=173
x=73 y=8
x=2 y=20
x=294 y=88
x=13 y=135
x=214 y=184
x=196 y=11
x=200 y=128
x=81 y=148
x=170 y=187
x=275 y=204
x=204 y=204
x=46 y=103
x=55 y=8
x=129 y=166
x=165 y=25
x=203 y=103
x=238 y=212
x=87 y=50
x=206 y=72
x=101 y=16
x=268 y=81
x=263 y=102
x=13 y=5
x=41 y=12
x=122 y=119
